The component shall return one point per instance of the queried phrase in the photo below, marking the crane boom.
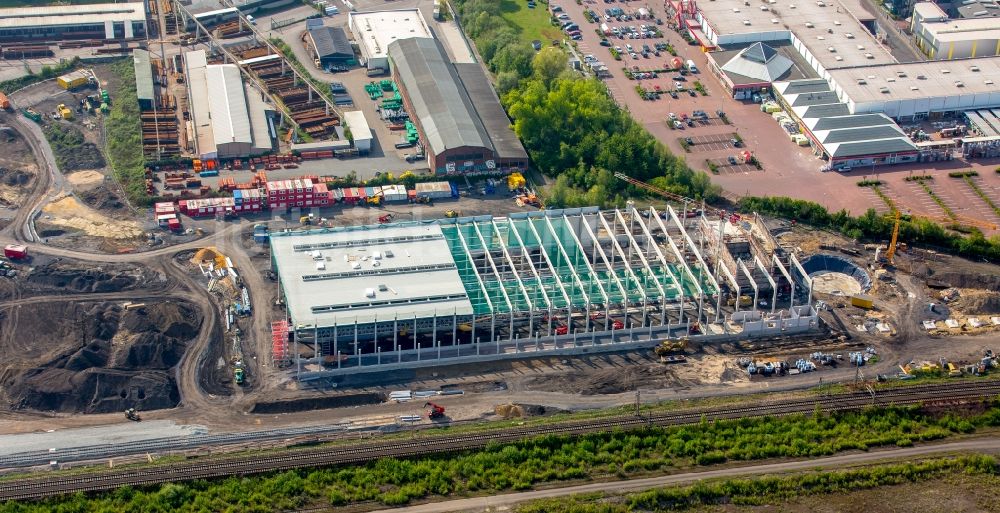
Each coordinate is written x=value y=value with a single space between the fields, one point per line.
x=667 y=194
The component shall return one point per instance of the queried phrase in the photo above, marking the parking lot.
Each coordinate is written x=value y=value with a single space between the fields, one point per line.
x=701 y=143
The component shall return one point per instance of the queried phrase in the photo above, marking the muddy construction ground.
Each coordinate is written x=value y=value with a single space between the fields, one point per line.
x=69 y=343
x=17 y=169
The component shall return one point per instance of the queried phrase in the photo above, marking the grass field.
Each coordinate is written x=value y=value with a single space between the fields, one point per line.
x=531 y=24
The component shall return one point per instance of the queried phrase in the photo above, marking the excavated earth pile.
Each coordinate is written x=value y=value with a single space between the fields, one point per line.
x=93 y=357
x=61 y=277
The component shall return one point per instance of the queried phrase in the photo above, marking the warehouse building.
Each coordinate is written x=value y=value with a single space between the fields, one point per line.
x=845 y=140
x=484 y=288
x=111 y=21
x=143 y=79
x=375 y=31
x=330 y=46
x=228 y=120
x=361 y=133
x=942 y=38
x=748 y=69
x=452 y=131
x=508 y=152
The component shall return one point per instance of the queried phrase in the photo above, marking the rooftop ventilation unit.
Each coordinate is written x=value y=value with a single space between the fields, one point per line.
x=884 y=90
x=862 y=81
x=736 y=9
x=791 y=6
x=838 y=58
x=869 y=56
x=921 y=77
x=746 y=22
x=820 y=3
x=763 y=7
x=945 y=71
x=829 y=31
x=836 y=22
x=914 y=88
x=821 y=38
x=959 y=83
x=775 y=21
x=890 y=79
x=988 y=82
x=901 y=74
x=831 y=49
x=809 y=24
x=848 y=35
x=861 y=47
x=973 y=68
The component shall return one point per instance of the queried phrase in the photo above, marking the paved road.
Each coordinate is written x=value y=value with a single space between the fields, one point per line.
x=978 y=445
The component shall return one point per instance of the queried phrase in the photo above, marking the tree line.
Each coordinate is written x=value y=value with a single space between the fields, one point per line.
x=570 y=126
x=523 y=465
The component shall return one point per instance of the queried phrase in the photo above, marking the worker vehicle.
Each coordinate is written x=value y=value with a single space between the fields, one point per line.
x=307 y=220
x=617 y=325
x=562 y=330
x=238 y=375
x=451 y=214
x=15 y=251
x=435 y=412
x=132 y=415
x=386 y=218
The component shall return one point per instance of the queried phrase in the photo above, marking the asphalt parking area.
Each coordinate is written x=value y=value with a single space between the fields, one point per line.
x=713 y=142
x=723 y=167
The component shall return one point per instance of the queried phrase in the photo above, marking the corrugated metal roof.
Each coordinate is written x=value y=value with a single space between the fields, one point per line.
x=869 y=133
x=228 y=105
x=196 y=63
x=867 y=148
x=491 y=113
x=803 y=86
x=143 y=75
x=822 y=111
x=853 y=121
x=331 y=42
x=440 y=101
x=79 y=15
x=806 y=99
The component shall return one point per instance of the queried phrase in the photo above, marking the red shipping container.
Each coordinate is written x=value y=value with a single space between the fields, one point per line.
x=15 y=251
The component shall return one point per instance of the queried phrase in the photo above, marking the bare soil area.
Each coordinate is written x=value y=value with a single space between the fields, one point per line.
x=71 y=216
x=93 y=357
x=17 y=168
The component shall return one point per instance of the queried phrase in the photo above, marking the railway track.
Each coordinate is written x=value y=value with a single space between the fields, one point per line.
x=37 y=487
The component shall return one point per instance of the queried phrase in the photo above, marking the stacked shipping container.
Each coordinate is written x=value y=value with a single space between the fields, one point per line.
x=206 y=206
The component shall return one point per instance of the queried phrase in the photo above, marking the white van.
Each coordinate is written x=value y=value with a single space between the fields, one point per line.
x=690 y=66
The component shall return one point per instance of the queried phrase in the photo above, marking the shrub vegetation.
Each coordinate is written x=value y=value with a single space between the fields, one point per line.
x=520 y=466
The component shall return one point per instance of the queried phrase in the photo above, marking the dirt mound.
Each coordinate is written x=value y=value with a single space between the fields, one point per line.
x=318 y=403
x=617 y=380
x=71 y=149
x=977 y=302
x=97 y=357
x=14 y=177
x=76 y=278
x=962 y=280
x=102 y=198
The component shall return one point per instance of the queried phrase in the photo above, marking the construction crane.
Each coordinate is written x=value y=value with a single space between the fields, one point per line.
x=895 y=236
x=669 y=195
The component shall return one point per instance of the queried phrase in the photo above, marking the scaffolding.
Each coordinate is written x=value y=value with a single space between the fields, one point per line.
x=553 y=280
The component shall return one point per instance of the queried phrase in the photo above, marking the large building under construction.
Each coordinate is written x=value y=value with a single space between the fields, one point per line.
x=557 y=281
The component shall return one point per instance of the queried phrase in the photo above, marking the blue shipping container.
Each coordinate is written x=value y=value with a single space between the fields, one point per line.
x=454 y=190
x=205 y=174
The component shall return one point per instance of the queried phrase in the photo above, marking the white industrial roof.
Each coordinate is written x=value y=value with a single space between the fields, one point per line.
x=356 y=121
x=819 y=25
x=965 y=29
x=918 y=80
x=228 y=105
x=420 y=278
x=929 y=11
x=77 y=15
x=197 y=64
x=373 y=31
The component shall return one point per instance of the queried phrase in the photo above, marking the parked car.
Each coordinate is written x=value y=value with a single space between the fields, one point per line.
x=563 y=16
x=605 y=42
x=680 y=78
x=536 y=44
x=732 y=160
x=556 y=8
x=736 y=143
x=692 y=93
x=673 y=94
